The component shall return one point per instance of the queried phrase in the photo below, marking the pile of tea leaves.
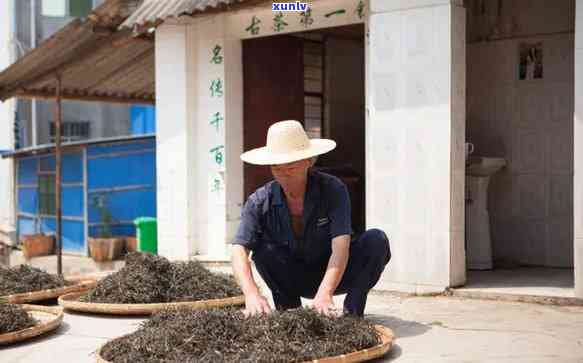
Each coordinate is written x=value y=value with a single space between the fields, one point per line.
x=225 y=335
x=25 y=278
x=147 y=279
x=14 y=318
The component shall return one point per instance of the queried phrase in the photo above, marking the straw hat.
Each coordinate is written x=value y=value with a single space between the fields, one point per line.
x=287 y=142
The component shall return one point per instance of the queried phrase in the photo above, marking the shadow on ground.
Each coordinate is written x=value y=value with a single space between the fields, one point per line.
x=394 y=353
x=401 y=328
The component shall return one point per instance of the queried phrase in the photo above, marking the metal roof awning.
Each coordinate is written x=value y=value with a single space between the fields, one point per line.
x=89 y=59
x=95 y=61
x=153 y=12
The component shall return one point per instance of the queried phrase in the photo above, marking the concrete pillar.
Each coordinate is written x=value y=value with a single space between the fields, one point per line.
x=7 y=221
x=200 y=176
x=220 y=128
x=578 y=152
x=415 y=135
x=175 y=141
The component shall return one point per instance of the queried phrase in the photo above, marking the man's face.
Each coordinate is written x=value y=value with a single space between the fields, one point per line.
x=284 y=173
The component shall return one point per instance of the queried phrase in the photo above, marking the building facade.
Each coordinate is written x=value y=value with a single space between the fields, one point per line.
x=35 y=21
x=402 y=86
x=414 y=119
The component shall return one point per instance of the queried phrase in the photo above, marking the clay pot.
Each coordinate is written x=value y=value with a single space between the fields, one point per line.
x=34 y=245
x=131 y=244
x=4 y=255
x=106 y=249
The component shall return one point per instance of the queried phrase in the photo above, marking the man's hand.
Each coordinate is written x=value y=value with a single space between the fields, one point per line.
x=324 y=304
x=255 y=304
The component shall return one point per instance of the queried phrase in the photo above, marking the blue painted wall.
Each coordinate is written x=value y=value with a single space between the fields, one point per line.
x=29 y=219
x=129 y=192
x=143 y=120
x=123 y=174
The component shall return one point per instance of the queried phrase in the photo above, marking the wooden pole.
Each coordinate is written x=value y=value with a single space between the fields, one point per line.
x=58 y=121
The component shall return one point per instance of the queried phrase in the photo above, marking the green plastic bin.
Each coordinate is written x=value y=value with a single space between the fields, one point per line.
x=147 y=234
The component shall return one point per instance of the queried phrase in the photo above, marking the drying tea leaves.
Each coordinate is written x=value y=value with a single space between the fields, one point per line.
x=14 y=318
x=143 y=279
x=24 y=278
x=225 y=335
x=191 y=281
x=147 y=279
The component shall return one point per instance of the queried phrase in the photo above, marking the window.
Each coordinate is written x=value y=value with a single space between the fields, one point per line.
x=313 y=116
x=71 y=131
x=47 y=203
x=63 y=8
x=313 y=87
x=55 y=8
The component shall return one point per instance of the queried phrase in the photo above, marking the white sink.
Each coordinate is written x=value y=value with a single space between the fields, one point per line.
x=479 y=246
x=482 y=166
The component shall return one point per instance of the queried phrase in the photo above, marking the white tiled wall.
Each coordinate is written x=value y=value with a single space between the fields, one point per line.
x=415 y=74
x=519 y=17
x=530 y=124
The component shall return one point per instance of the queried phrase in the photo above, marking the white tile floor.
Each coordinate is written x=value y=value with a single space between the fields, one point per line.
x=522 y=281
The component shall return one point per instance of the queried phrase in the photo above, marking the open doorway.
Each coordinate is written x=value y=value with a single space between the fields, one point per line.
x=520 y=105
x=317 y=78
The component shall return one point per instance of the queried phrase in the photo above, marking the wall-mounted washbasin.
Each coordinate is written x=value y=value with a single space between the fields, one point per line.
x=484 y=166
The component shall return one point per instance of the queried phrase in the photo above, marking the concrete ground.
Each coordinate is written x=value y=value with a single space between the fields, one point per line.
x=72 y=265
x=428 y=329
x=443 y=329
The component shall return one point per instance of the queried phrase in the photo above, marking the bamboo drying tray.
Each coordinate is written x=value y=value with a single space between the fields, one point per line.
x=41 y=295
x=49 y=318
x=71 y=302
x=364 y=355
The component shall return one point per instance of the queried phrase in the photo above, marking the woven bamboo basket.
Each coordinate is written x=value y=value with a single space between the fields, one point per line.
x=49 y=293
x=71 y=302
x=364 y=355
x=49 y=318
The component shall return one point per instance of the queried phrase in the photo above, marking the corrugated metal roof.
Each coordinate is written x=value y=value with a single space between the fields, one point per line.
x=154 y=11
x=96 y=61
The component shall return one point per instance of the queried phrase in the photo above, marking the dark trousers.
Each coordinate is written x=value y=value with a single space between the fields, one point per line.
x=289 y=278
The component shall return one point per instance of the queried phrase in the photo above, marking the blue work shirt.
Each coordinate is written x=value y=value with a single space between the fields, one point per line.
x=266 y=220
